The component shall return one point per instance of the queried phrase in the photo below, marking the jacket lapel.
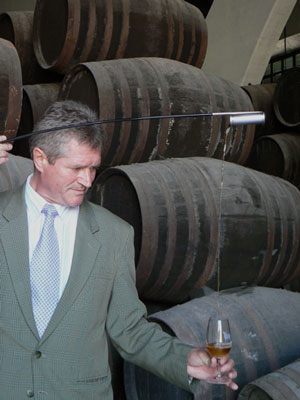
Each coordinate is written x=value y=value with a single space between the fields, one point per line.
x=87 y=246
x=14 y=236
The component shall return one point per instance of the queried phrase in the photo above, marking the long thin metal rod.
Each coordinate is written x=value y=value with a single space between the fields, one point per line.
x=246 y=117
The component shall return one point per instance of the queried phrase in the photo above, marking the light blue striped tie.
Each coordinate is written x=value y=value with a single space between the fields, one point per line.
x=45 y=272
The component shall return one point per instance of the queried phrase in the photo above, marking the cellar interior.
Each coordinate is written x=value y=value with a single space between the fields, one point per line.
x=215 y=205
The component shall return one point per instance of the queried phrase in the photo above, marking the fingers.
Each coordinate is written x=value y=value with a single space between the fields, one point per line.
x=213 y=362
x=201 y=366
x=226 y=368
x=226 y=364
x=204 y=357
x=223 y=360
x=232 y=385
x=197 y=357
x=4 y=148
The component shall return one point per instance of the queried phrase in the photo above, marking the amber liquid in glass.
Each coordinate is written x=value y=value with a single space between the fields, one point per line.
x=218 y=349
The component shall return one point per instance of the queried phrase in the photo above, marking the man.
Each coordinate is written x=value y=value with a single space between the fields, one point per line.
x=65 y=356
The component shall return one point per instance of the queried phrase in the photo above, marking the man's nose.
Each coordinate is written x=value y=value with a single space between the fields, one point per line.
x=86 y=177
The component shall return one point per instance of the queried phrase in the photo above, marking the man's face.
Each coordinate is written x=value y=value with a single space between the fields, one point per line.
x=67 y=180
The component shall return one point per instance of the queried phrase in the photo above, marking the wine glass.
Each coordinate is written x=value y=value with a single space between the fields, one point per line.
x=218 y=344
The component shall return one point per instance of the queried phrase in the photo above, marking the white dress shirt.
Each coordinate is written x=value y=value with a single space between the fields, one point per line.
x=65 y=225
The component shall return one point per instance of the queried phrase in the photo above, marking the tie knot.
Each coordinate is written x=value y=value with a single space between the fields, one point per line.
x=49 y=210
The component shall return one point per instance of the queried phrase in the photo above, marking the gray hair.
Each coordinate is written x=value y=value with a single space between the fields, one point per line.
x=63 y=113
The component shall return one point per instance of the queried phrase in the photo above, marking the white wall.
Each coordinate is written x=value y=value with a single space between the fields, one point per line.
x=242 y=36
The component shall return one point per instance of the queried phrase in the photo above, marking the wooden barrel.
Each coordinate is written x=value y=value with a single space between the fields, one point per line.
x=156 y=87
x=283 y=384
x=16 y=26
x=277 y=155
x=36 y=99
x=67 y=32
x=265 y=328
x=294 y=285
x=262 y=100
x=14 y=172
x=116 y=363
x=173 y=206
x=155 y=388
x=143 y=385
x=10 y=89
x=286 y=100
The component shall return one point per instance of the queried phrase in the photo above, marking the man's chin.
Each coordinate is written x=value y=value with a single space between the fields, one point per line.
x=76 y=200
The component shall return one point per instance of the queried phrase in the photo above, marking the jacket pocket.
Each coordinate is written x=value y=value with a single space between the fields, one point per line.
x=92 y=372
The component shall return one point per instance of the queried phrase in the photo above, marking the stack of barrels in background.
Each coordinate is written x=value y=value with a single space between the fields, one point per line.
x=276 y=149
x=181 y=182
x=280 y=384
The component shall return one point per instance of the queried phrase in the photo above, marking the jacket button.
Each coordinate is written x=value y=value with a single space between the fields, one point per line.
x=30 y=393
x=38 y=354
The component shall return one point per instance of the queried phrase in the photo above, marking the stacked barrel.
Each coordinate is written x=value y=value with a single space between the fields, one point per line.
x=264 y=322
x=203 y=220
x=276 y=148
x=281 y=384
x=31 y=89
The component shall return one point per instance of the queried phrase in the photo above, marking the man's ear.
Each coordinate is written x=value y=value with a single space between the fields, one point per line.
x=39 y=159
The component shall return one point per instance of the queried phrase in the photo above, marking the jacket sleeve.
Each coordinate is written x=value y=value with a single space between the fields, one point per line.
x=137 y=340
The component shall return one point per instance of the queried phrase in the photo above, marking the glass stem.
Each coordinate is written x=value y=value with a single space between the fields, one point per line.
x=219 y=376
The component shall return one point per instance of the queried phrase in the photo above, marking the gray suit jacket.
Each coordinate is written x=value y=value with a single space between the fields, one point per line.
x=70 y=361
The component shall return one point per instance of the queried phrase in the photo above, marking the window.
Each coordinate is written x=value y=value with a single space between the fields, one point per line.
x=279 y=64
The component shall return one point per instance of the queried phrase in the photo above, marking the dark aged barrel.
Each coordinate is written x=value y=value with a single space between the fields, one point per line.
x=143 y=385
x=67 y=32
x=262 y=100
x=156 y=86
x=265 y=329
x=36 y=99
x=283 y=384
x=16 y=26
x=156 y=388
x=294 y=285
x=116 y=368
x=173 y=206
x=14 y=172
x=10 y=89
x=277 y=155
x=287 y=100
